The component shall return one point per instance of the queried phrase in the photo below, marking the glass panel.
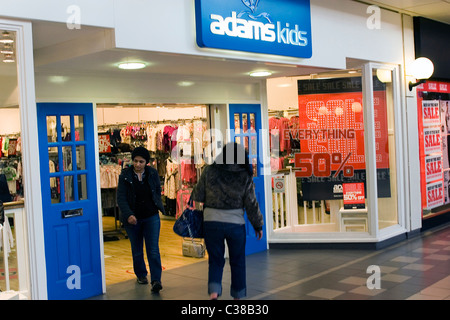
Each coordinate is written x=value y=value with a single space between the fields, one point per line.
x=323 y=140
x=385 y=148
x=255 y=167
x=55 y=190
x=237 y=126
x=245 y=139
x=81 y=158
x=65 y=128
x=82 y=187
x=244 y=122
x=68 y=188
x=67 y=158
x=253 y=145
x=53 y=162
x=79 y=128
x=51 y=129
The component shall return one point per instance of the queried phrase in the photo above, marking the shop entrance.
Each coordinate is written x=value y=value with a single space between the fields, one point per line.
x=175 y=136
x=69 y=200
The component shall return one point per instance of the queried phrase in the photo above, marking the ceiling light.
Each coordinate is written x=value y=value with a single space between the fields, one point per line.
x=131 y=65
x=6 y=38
x=7 y=49
x=185 y=83
x=8 y=58
x=260 y=74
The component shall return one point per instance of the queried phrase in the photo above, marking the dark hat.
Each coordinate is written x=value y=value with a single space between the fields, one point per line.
x=141 y=151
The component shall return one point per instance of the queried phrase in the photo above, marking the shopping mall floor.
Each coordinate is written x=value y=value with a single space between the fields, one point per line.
x=414 y=269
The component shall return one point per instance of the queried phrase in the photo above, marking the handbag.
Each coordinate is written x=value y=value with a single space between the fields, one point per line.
x=190 y=222
x=193 y=248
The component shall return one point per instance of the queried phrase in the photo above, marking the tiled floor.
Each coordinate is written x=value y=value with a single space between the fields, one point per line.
x=417 y=268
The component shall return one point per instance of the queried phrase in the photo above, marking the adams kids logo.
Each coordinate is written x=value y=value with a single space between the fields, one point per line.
x=258 y=21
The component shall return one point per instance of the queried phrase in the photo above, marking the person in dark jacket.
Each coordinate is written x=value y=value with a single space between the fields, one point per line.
x=226 y=189
x=139 y=200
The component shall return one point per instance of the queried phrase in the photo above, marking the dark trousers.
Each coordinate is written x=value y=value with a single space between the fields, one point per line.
x=146 y=230
x=216 y=233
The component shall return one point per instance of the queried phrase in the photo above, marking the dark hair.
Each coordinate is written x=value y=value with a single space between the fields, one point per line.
x=234 y=153
x=142 y=152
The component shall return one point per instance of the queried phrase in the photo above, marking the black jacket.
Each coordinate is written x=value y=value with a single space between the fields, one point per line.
x=229 y=186
x=126 y=197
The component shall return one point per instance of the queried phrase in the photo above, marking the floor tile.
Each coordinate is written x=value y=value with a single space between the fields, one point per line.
x=325 y=293
x=418 y=266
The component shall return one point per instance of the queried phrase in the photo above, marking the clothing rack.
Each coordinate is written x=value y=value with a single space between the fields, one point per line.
x=139 y=123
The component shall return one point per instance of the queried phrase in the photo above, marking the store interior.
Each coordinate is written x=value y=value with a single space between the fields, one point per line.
x=168 y=132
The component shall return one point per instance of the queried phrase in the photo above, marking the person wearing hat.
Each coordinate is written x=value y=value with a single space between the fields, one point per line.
x=139 y=201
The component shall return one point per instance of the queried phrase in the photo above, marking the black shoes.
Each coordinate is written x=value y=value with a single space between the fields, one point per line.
x=156 y=286
x=142 y=280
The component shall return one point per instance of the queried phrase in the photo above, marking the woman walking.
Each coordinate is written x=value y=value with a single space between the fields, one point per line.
x=139 y=199
x=226 y=189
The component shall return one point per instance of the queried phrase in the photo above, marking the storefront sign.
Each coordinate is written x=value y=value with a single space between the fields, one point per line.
x=435 y=194
x=279 y=27
x=430 y=113
x=433 y=168
x=432 y=140
x=353 y=195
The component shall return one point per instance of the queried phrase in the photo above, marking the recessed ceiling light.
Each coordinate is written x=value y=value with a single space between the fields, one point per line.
x=131 y=65
x=260 y=74
x=186 y=83
x=6 y=38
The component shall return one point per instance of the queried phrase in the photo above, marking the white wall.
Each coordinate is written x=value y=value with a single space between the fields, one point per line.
x=9 y=121
x=339 y=28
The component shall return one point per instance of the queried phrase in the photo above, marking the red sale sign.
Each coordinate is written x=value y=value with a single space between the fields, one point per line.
x=432 y=140
x=435 y=194
x=353 y=195
x=433 y=168
x=104 y=143
x=430 y=113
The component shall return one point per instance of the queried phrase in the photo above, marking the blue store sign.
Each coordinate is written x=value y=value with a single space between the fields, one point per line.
x=279 y=27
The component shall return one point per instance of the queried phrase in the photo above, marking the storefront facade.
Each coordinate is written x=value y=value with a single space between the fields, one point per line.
x=343 y=41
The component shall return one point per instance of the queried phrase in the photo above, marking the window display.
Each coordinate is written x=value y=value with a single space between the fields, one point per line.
x=319 y=154
x=434 y=132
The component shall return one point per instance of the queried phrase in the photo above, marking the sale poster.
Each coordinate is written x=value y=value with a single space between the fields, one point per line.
x=432 y=140
x=430 y=113
x=353 y=195
x=331 y=130
x=104 y=143
x=435 y=194
x=433 y=168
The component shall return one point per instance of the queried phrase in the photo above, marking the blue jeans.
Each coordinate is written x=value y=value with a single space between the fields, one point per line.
x=216 y=233
x=146 y=230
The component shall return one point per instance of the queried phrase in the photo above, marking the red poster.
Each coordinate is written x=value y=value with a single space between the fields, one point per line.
x=104 y=143
x=334 y=123
x=435 y=194
x=433 y=168
x=432 y=140
x=430 y=113
x=353 y=195
x=428 y=141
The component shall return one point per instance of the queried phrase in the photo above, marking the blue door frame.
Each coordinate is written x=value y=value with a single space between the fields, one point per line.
x=246 y=125
x=69 y=200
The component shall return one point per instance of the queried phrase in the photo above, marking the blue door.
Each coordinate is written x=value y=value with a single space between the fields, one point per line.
x=245 y=125
x=69 y=200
